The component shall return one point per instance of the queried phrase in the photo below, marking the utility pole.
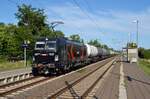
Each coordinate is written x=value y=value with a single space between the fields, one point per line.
x=137 y=23
x=137 y=39
x=137 y=33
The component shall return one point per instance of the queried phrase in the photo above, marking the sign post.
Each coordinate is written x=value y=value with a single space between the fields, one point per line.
x=25 y=45
x=25 y=55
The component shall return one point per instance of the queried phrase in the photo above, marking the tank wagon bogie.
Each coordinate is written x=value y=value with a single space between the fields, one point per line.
x=59 y=55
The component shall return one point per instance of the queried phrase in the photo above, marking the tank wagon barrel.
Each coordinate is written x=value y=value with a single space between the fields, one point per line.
x=92 y=51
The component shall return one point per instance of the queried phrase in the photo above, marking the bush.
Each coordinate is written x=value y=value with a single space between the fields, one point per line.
x=144 y=53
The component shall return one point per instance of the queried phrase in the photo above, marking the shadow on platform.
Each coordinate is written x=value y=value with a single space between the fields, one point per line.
x=129 y=78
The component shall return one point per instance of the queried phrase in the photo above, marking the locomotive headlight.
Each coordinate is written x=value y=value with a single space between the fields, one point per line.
x=51 y=54
x=56 y=58
x=33 y=59
x=36 y=54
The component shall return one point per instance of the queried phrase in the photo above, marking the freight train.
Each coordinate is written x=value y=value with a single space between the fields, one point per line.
x=57 y=55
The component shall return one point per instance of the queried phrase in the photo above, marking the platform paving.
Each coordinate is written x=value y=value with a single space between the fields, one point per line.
x=137 y=82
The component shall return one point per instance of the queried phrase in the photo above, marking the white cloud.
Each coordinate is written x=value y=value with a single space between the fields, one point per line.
x=108 y=21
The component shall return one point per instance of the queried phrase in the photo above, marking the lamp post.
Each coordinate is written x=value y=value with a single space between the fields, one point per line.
x=137 y=23
x=54 y=24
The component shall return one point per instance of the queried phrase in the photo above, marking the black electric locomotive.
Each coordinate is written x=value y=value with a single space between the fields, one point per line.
x=57 y=55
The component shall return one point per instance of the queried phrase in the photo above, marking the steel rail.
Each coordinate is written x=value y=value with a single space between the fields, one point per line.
x=7 y=92
x=63 y=89
x=16 y=82
x=95 y=83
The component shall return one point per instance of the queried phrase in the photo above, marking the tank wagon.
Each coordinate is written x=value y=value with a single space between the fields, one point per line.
x=60 y=55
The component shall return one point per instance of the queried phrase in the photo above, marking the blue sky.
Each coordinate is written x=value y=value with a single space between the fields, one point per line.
x=109 y=21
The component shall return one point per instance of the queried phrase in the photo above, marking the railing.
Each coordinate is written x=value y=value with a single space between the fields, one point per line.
x=15 y=76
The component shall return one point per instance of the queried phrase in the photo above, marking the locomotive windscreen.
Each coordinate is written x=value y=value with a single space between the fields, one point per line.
x=51 y=45
x=45 y=51
x=40 y=45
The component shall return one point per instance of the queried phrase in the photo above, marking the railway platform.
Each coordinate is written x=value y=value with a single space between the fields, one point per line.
x=136 y=83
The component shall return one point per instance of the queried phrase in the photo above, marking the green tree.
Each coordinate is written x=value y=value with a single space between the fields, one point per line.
x=147 y=54
x=46 y=32
x=59 y=34
x=31 y=25
x=31 y=18
x=105 y=46
x=3 y=42
x=95 y=43
x=2 y=24
x=132 y=45
x=98 y=44
x=76 y=37
x=141 y=52
x=144 y=53
x=8 y=41
x=32 y=21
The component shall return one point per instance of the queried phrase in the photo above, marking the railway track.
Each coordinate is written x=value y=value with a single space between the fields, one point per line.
x=80 y=88
x=13 y=87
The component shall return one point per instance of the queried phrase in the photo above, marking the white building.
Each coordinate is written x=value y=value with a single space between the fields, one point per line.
x=132 y=55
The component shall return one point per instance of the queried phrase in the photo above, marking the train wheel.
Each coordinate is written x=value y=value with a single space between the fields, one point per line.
x=65 y=69
x=68 y=68
x=35 y=72
x=59 y=72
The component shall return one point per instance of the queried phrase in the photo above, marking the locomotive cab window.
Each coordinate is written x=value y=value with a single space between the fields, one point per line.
x=51 y=45
x=40 y=45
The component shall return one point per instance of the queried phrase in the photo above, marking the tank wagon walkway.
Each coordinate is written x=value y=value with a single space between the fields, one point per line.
x=136 y=83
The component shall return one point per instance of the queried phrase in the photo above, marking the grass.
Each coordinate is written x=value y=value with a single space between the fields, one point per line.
x=6 y=65
x=125 y=83
x=81 y=70
x=145 y=65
